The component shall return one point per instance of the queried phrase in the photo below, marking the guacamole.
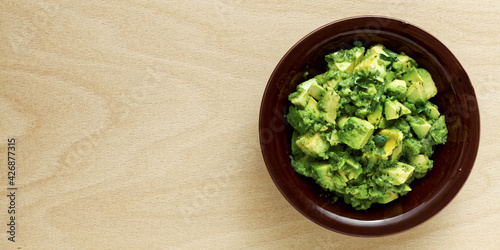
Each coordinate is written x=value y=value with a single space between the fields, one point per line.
x=366 y=128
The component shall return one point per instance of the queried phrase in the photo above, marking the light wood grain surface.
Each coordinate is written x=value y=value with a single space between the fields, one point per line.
x=136 y=123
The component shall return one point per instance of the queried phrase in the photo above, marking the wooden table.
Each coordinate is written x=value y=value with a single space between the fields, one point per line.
x=135 y=123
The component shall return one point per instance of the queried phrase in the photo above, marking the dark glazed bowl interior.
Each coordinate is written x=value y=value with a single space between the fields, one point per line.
x=452 y=162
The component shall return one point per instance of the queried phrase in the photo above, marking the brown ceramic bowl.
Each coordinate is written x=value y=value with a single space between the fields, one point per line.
x=452 y=162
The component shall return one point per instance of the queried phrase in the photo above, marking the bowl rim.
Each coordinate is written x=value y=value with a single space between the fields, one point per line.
x=382 y=227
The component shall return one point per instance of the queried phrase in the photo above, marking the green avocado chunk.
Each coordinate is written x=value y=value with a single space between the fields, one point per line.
x=312 y=109
x=419 y=125
x=431 y=110
x=356 y=132
x=422 y=164
x=412 y=76
x=397 y=88
x=375 y=117
x=372 y=63
x=394 y=109
x=326 y=178
x=313 y=145
x=429 y=85
x=345 y=60
x=315 y=90
x=400 y=173
x=329 y=104
x=298 y=121
x=403 y=63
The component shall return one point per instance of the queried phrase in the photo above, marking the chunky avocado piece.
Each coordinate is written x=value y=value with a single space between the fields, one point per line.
x=389 y=77
x=438 y=131
x=345 y=60
x=395 y=137
x=313 y=145
x=419 y=125
x=392 y=195
x=334 y=138
x=356 y=132
x=358 y=52
x=354 y=169
x=329 y=104
x=344 y=66
x=341 y=121
x=400 y=173
x=404 y=63
x=322 y=170
x=371 y=90
x=397 y=88
x=374 y=118
x=422 y=164
x=428 y=84
x=383 y=123
x=393 y=109
x=388 y=197
x=350 y=175
x=431 y=110
x=299 y=98
x=327 y=179
x=350 y=169
x=316 y=90
x=439 y=136
x=343 y=174
x=298 y=122
x=396 y=152
x=412 y=76
x=312 y=109
x=371 y=62
x=307 y=84
x=419 y=90
x=416 y=93
x=332 y=83
x=304 y=91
